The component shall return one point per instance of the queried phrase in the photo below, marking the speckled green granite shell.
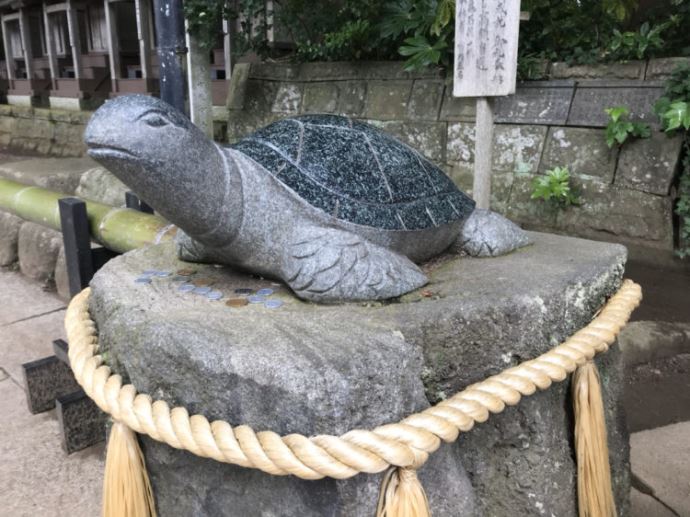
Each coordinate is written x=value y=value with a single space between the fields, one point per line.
x=357 y=173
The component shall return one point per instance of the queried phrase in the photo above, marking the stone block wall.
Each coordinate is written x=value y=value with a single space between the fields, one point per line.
x=43 y=131
x=626 y=192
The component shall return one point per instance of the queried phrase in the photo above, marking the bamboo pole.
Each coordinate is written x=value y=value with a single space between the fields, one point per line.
x=119 y=229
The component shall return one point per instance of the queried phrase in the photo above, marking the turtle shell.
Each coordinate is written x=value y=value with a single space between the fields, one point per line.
x=356 y=173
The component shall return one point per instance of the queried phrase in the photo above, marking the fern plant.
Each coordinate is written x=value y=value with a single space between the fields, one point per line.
x=554 y=188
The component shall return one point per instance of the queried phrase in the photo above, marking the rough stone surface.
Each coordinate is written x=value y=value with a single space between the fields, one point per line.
x=649 y=164
x=38 y=250
x=52 y=173
x=457 y=108
x=387 y=99
x=582 y=150
x=660 y=455
x=536 y=103
x=54 y=132
x=610 y=212
x=9 y=237
x=98 y=184
x=237 y=89
x=646 y=341
x=288 y=99
x=589 y=102
x=313 y=368
x=428 y=138
x=660 y=69
x=352 y=97
x=462 y=175
x=629 y=70
x=320 y=97
x=515 y=147
x=425 y=100
x=488 y=234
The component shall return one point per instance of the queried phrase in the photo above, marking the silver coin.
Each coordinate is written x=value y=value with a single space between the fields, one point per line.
x=255 y=298
x=149 y=272
x=180 y=278
x=143 y=280
x=186 y=288
x=265 y=292
x=202 y=290
x=163 y=274
x=214 y=295
x=244 y=290
x=273 y=304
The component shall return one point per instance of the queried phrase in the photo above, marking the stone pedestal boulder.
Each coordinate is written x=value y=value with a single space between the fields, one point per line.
x=309 y=369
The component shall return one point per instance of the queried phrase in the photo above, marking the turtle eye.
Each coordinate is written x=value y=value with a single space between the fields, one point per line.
x=154 y=119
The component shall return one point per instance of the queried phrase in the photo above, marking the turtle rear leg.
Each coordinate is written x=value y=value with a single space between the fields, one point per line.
x=190 y=250
x=488 y=234
x=329 y=265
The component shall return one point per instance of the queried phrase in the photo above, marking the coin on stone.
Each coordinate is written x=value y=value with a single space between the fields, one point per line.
x=185 y=272
x=150 y=272
x=236 y=302
x=265 y=292
x=143 y=280
x=244 y=290
x=255 y=298
x=273 y=304
x=180 y=278
x=163 y=274
x=202 y=282
x=214 y=295
x=202 y=290
x=186 y=288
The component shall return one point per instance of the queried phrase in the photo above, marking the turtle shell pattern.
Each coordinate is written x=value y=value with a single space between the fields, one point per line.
x=357 y=173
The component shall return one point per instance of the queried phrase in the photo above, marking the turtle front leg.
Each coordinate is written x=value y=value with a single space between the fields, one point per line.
x=488 y=234
x=331 y=265
x=191 y=250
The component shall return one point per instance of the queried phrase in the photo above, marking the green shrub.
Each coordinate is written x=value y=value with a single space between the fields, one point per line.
x=672 y=107
x=575 y=31
x=638 y=44
x=620 y=128
x=554 y=188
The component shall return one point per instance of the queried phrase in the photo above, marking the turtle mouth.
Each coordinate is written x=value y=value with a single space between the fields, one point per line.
x=100 y=152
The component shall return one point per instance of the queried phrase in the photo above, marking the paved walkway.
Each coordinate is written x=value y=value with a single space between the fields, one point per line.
x=38 y=479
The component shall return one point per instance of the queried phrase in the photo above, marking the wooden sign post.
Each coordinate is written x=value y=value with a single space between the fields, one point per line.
x=486 y=44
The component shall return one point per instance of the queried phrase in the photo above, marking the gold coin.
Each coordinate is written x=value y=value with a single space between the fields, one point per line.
x=236 y=302
x=186 y=272
x=202 y=282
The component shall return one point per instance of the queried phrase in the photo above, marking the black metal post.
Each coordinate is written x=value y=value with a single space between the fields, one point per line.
x=76 y=237
x=170 y=36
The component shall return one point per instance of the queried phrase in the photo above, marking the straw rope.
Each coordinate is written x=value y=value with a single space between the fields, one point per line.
x=406 y=444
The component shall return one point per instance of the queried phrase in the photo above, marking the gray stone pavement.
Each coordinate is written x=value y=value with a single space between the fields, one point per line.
x=38 y=479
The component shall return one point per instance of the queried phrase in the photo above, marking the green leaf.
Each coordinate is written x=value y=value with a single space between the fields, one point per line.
x=677 y=115
x=617 y=112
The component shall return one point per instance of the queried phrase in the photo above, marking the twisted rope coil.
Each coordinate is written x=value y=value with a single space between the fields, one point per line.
x=406 y=444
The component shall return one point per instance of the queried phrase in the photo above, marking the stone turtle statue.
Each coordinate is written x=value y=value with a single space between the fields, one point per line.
x=337 y=209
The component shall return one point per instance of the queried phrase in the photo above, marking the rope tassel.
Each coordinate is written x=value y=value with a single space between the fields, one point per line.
x=126 y=486
x=594 y=492
x=402 y=495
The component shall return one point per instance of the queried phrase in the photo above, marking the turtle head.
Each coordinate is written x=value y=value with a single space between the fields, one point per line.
x=166 y=160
